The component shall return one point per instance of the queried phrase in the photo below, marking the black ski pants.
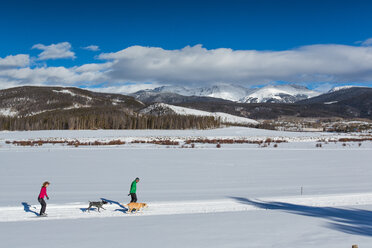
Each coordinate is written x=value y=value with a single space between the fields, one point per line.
x=43 y=205
x=133 y=197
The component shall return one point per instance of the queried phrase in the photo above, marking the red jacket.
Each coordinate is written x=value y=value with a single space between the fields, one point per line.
x=43 y=192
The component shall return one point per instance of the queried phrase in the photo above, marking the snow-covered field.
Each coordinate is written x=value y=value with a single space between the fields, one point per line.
x=238 y=195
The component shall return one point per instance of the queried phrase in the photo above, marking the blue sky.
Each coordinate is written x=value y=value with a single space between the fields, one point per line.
x=249 y=26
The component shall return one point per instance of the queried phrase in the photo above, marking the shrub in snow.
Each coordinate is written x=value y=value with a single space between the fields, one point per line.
x=231 y=141
x=355 y=139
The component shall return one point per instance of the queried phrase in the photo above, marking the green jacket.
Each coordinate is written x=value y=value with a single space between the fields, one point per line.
x=133 y=187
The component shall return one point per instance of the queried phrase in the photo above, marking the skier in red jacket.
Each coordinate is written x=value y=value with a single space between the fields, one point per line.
x=43 y=193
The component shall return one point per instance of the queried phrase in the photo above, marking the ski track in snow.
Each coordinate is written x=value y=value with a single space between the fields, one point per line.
x=26 y=212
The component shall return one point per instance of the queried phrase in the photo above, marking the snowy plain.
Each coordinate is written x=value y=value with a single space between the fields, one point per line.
x=239 y=195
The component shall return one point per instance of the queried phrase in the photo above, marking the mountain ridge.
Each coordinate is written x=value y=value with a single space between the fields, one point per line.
x=270 y=93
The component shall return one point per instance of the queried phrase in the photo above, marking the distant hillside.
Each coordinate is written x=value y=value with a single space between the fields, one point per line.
x=29 y=100
x=345 y=95
x=271 y=110
x=357 y=101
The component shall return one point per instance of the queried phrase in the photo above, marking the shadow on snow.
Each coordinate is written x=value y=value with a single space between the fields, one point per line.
x=27 y=209
x=86 y=209
x=347 y=220
x=121 y=209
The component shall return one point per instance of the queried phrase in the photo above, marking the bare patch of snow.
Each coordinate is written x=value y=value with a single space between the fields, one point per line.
x=65 y=92
x=74 y=106
x=8 y=112
x=77 y=105
x=116 y=101
x=71 y=93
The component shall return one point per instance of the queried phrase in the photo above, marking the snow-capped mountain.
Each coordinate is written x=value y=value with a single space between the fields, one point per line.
x=280 y=94
x=171 y=89
x=227 y=92
x=166 y=109
x=224 y=91
x=236 y=93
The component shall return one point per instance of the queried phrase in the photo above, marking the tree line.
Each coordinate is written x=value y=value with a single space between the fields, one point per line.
x=104 y=119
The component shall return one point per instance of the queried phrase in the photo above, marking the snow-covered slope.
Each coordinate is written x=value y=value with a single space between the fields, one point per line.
x=280 y=94
x=163 y=109
x=342 y=88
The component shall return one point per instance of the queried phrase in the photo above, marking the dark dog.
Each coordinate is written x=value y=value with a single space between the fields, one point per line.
x=98 y=205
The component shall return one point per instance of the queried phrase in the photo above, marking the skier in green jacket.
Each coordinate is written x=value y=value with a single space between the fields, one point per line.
x=133 y=190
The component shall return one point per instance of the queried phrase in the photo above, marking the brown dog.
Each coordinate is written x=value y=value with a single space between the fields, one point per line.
x=135 y=206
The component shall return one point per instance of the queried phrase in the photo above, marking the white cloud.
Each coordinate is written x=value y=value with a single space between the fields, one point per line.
x=60 y=76
x=197 y=65
x=126 y=88
x=92 y=48
x=55 y=51
x=321 y=64
x=366 y=42
x=19 y=60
